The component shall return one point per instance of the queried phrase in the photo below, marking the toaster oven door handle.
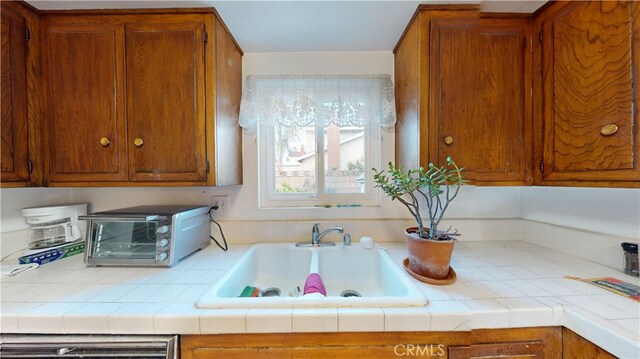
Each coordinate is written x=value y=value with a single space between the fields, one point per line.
x=119 y=218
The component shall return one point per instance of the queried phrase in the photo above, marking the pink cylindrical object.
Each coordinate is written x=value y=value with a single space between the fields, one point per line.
x=314 y=284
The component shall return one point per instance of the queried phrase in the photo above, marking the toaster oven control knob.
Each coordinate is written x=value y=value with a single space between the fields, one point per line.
x=162 y=229
x=161 y=256
x=162 y=243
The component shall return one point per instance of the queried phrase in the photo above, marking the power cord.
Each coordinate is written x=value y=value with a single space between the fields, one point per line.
x=10 y=254
x=226 y=246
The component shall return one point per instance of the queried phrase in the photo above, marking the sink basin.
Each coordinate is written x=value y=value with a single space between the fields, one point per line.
x=371 y=273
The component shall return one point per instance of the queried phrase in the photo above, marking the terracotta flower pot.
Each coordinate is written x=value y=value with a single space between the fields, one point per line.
x=427 y=257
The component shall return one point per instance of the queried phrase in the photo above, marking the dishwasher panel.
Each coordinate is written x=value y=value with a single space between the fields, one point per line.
x=88 y=346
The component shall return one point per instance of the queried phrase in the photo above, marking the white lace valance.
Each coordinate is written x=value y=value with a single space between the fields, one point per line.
x=305 y=100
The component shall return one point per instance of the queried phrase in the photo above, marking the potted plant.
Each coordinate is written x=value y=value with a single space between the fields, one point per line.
x=429 y=248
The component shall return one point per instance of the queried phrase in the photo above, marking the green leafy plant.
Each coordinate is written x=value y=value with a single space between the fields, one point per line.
x=357 y=165
x=438 y=186
x=287 y=188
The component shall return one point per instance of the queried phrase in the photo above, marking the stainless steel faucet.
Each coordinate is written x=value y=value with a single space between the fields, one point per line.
x=316 y=235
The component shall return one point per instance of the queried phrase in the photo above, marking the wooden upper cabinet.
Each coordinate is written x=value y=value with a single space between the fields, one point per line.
x=14 y=154
x=84 y=71
x=589 y=60
x=165 y=101
x=463 y=89
x=480 y=98
x=130 y=97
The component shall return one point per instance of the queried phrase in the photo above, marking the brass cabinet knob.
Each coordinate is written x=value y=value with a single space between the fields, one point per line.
x=138 y=142
x=608 y=130
x=105 y=141
x=448 y=140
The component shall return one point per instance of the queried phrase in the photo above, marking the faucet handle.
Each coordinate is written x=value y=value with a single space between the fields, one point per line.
x=346 y=240
x=316 y=227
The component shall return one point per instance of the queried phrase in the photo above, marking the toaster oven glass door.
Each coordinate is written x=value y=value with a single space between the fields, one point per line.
x=133 y=241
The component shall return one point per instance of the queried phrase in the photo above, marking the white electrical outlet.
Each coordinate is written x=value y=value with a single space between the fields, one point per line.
x=223 y=205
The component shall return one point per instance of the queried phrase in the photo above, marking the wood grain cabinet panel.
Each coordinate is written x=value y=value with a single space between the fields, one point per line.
x=131 y=98
x=228 y=158
x=165 y=98
x=84 y=73
x=14 y=154
x=589 y=64
x=555 y=108
x=480 y=103
x=576 y=347
x=545 y=342
x=463 y=89
x=540 y=342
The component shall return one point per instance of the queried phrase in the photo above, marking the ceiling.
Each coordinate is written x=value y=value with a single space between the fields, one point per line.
x=304 y=26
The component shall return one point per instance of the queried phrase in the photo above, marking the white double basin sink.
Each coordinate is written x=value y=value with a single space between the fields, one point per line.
x=371 y=273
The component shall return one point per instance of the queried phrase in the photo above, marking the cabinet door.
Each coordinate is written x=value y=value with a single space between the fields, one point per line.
x=589 y=61
x=14 y=156
x=83 y=71
x=480 y=97
x=165 y=101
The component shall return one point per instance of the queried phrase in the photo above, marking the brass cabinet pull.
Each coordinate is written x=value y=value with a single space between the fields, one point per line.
x=448 y=140
x=105 y=141
x=608 y=130
x=138 y=142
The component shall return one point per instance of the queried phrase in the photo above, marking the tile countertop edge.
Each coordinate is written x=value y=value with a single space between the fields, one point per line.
x=490 y=293
x=600 y=332
x=234 y=321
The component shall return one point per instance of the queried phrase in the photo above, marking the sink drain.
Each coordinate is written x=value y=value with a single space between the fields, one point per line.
x=271 y=292
x=350 y=293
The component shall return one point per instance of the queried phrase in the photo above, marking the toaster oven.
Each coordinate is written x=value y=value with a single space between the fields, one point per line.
x=146 y=235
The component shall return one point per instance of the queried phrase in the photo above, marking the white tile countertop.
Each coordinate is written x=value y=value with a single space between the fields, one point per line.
x=501 y=284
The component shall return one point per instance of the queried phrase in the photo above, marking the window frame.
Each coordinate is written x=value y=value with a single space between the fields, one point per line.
x=267 y=198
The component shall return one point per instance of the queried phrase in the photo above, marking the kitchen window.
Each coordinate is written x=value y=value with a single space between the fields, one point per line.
x=318 y=137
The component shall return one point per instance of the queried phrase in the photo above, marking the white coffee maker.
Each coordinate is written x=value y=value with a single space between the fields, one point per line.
x=55 y=225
